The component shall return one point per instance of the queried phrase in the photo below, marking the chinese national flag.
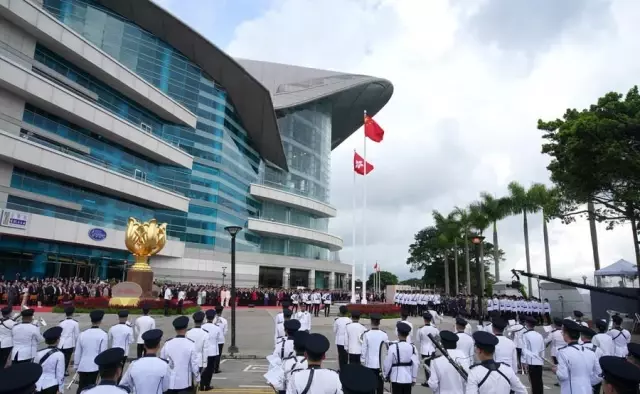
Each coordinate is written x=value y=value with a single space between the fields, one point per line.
x=359 y=165
x=372 y=130
x=375 y=267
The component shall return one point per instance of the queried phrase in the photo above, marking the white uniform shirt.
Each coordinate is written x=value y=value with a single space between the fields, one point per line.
x=352 y=340
x=555 y=340
x=402 y=353
x=316 y=297
x=121 y=336
x=371 y=341
x=142 y=325
x=201 y=343
x=290 y=365
x=6 y=334
x=148 y=375
x=409 y=337
x=505 y=352
x=224 y=326
x=326 y=297
x=280 y=332
x=70 y=333
x=340 y=329
x=105 y=387
x=181 y=354
x=444 y=378
x=621 y=338
x=575 y=370
x=466 y=345
x=500 y=381
x=605 y=343
x=533 y=348
x=422 y=337
x=597 y=353
x=215 y=335
x=284 y=348
x=168 y=294
x=26 y=337
x=324 y=381
x=305 y=320
x=91 y=342
x=516 y=332
x=52 y=369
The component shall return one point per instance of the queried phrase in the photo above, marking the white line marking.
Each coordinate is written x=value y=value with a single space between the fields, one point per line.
x=223 y=361
x=546 y=388
x=247 y=368
x=217 y=378
x=249 y=386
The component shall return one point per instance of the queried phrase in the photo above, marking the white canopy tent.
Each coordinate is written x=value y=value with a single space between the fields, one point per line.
x=623 y=269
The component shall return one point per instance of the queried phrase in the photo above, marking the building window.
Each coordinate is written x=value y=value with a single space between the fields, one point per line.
x=299 y=278
x=270 y=277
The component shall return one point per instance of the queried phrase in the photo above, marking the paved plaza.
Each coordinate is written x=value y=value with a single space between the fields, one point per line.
x=254 y=338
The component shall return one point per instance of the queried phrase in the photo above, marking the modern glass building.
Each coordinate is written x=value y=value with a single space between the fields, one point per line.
x=114 y=108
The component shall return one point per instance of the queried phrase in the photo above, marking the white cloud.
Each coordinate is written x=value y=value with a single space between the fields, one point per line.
x=463 y=116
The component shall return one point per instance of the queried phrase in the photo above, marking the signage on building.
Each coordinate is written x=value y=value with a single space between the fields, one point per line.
x=97 y=234
x=14 y=219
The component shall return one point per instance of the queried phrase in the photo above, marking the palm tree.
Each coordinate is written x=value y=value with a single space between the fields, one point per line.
x=464 y=224
x=495 y=209
x=523 y=203
x=479 y=222
x=447 y=227
x=544 y=198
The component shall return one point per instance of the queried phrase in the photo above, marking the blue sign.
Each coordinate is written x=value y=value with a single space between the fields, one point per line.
x=97 y=234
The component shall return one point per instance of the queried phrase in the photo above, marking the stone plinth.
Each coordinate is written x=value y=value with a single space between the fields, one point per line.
x=143 y=278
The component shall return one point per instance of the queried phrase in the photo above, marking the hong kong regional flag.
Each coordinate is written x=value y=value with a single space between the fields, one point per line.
x=359 y=165
x=372 y=130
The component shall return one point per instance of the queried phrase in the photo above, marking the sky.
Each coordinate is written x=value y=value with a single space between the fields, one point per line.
x=471 y=78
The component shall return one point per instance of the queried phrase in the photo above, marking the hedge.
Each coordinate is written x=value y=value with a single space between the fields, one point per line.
x=388 y=311
x=156 y=306
x=135 y=311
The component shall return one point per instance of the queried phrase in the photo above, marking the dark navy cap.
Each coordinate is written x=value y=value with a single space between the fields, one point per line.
x=557 y=321
x=617 y=319
x=210 y=313
x=152 y=337
x=317 y=344
x=287 y=313
x=300 y=339
x=19 y=378
x=570 y=325
x=355 y=314
x=460 y=321
x=219 y=308
x=485 y=340
x=357 y=379
x=96 y=315
x=586 y=331
x=427 y=316
x=198 y=317
x=123 y=313
x=403 y=328
x=292 y=325
x=448 y=336
x=343 y=309
x=578 y=314
x=499 y=324
x=619 y=372
x=531 y=320
x=634 y=349
x=110 y=357
x=52 y=334
x=27 y=313
x=180 y=322
x=6 y=310
x=69 y=310
x=375 y=316
x=601 y=324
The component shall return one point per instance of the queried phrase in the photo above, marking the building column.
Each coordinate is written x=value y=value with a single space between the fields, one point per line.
x=286 y=277
x=312 y=279
x=104 y=266
x=39 y=265
x=332 y=280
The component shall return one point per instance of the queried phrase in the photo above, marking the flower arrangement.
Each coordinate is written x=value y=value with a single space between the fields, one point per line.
x=156 y=306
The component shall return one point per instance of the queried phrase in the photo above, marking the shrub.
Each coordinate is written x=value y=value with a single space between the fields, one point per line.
x=83 y=305
x=388 y=311
x=134 y=311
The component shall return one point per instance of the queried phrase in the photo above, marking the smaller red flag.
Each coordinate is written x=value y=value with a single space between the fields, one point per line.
x=359 y=165
x=372 y=130
x=375 y=266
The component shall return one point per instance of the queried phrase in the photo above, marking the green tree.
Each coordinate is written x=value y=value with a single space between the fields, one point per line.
x=386 y=278
x=495 y=209
x=523 y=202
x=448 y=234
x=546 y=200
x=414 y=282
x=480 y=222
x=464 y=222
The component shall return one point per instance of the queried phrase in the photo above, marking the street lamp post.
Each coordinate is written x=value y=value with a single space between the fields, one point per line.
x=233 y=231
x=224 y=269
x=476 y=240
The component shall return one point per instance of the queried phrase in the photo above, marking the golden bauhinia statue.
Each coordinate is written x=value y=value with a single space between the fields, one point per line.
x=144 y=240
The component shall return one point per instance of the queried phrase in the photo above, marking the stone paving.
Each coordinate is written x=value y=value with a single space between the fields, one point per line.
x=254 y=338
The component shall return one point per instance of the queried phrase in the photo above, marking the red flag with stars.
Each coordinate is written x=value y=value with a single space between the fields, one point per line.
x=372 y=130
x=360 y=166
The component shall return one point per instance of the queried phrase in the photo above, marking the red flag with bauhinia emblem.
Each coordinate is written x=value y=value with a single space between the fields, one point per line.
x=359 y=165
x=372 y=130
x=375 y=267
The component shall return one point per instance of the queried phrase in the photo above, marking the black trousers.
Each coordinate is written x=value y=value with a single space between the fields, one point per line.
x=188 y=390
x=205 y=379
x=86 y=379
x=166 y=307
x=316 y=309
x=67 y=357
x=5 y=352
x=49 y=390
x=376 y=371
x=343 y=356
x=596 y=388
x=140 y=350
x=427 y=360
x=354 y=358
x=519 y=354
x=535 y=378
x=401 y=388
x=216 y=368
x=327 y=310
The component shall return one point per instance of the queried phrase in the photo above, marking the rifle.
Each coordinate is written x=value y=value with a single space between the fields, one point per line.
x=444 y=352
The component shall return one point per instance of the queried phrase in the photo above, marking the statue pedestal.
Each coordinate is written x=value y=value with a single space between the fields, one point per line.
x=143 y=278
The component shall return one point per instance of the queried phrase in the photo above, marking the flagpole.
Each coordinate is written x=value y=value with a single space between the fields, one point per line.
x=364 y=220
x=353 y=265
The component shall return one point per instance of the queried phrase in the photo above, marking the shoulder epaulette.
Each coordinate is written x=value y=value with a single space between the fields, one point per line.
x=190 y=328
x=348 y=323
x=165 y=360
x=560 y=348
x=168 y=339
x=336 y=318
x=190 y=339
x=366 y=331
x=204 y=330
x=89 y=387
x=62 y=320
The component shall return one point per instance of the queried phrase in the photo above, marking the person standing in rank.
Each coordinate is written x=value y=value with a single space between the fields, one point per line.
x=533 y=354
x=404 y=318
x=619 y=376
x=315 y=379
x=20 y=378
x=91 y=342
x=168 y=295
x=6 y=336
x=587 y=335
x=149 y=374
x=488 y=376
x=69 y=337
x=465 y=341
x=427 y=348
x=221 y=322
x=280 y=332
x=284 y=348
x=352 y=340
x=516 y=331
x=181 y=354
x=505 y=349
x=26 y=337
x=316 y=299
x=621 y=337
x=109 y=363
x=121 y=334
x=212 y=352
x=340 y=333
x=326 y=300
x=371 y=341
x=279 y=320
x=602 y=339
x=52 y=361
x=401 y=364
x=295 y=300
x=356 y=379
x=574 y=371
x=304 y=317
x=444 y=378
x=143 y=324
x=200 y=338
x=295 y=362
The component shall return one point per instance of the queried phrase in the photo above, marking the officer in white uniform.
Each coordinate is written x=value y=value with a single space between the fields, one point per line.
x=52 y=361
x=91 y=342
x=401 y=364
x=505 y=352
x=110 y=364
x=293 y=363
x=19 y=378
x=69 y=337
x=404 y=318
x=284 y=348
x=353 y=332
x=315 y=379
x=280 y=333
x=212 y=352
x=574 y=371
x=444 y=378
x=200 y=338
x=340 y=333
x=356 y=379
x=6 y=336
x=279 y=319
x=121 y=334
x=603 y=340
x=304 y=317
x=621 y=337
x=555 y=339
x=465 y=342
x=143 y=324
x=26 y=337
x=371 y=341
x=488 y=376
x=326 y=300
x=427 y=349
x=181 y=354
x=316 y=299
x=515 y=332
x=222 y=323
x=533 y=354
x=149 y=374
x=587 y=335
x=619 y=375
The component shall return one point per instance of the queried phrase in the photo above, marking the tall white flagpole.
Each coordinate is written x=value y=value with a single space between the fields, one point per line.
x=364 y=220
x=353 y=266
